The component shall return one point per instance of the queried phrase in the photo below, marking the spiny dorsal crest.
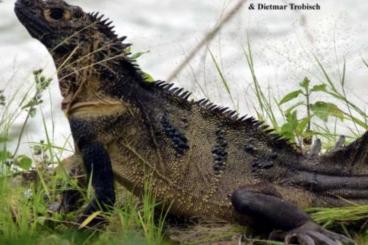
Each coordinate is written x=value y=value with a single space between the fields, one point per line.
x=106 y=27
x=232 y=117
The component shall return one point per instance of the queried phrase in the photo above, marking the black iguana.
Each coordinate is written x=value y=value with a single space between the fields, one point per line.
x=202 y=159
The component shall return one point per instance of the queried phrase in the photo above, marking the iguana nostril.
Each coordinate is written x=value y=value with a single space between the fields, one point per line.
x=27 y=3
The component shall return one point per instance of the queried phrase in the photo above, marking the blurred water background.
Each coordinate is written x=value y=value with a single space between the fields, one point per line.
x=283 y=44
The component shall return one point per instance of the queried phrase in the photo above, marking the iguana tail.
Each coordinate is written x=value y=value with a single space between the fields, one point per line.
x=339 y=177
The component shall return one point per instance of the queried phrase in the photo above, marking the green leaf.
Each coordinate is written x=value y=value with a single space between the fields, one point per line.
x=23 y=162
x=302 y=125
x=32 y=112
x=323 y=110
x=89 y=219
x=136 y=55
x=305 y=83
x=290 y=96
x=292 y=118
x=4 y=155
x=37 y=72
x=148 y=78
x=358 y=121
x=288 y=129
x=319 y=88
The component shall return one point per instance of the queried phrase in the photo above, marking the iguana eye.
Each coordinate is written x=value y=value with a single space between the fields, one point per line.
x=56 y=13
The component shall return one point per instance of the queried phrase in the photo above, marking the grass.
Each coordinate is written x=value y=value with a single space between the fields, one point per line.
x=25 y=216
x=24 y=205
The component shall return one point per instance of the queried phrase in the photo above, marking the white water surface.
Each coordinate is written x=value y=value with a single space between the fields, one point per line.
x=283 y=44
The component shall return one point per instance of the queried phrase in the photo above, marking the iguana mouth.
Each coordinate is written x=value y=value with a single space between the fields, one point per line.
x=104 y=107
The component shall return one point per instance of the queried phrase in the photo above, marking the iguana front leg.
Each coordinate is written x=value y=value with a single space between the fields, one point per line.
x=272 y=211
x=97 y=164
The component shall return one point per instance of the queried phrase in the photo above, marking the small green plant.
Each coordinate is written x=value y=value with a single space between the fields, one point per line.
x=42 y=83
x=300 y=129
x=27 y=105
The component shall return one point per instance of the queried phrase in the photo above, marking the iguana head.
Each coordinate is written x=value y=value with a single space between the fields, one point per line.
x=53 y=22
x=79 y=42
x=62 y=28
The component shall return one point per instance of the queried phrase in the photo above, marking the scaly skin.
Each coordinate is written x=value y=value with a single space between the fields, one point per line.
x=202 y=160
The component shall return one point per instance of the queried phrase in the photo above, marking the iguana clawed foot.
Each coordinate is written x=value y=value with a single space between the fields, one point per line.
x=316 y=147
x=270 y=209
x=312 y=234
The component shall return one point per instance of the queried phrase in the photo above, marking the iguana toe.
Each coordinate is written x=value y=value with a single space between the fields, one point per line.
x=313 y=234
x=316 y=148
x=340 y=143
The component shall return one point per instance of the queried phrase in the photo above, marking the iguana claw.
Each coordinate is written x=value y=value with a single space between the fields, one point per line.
x=316 y=148
x=312 y=234
x=340 y=143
